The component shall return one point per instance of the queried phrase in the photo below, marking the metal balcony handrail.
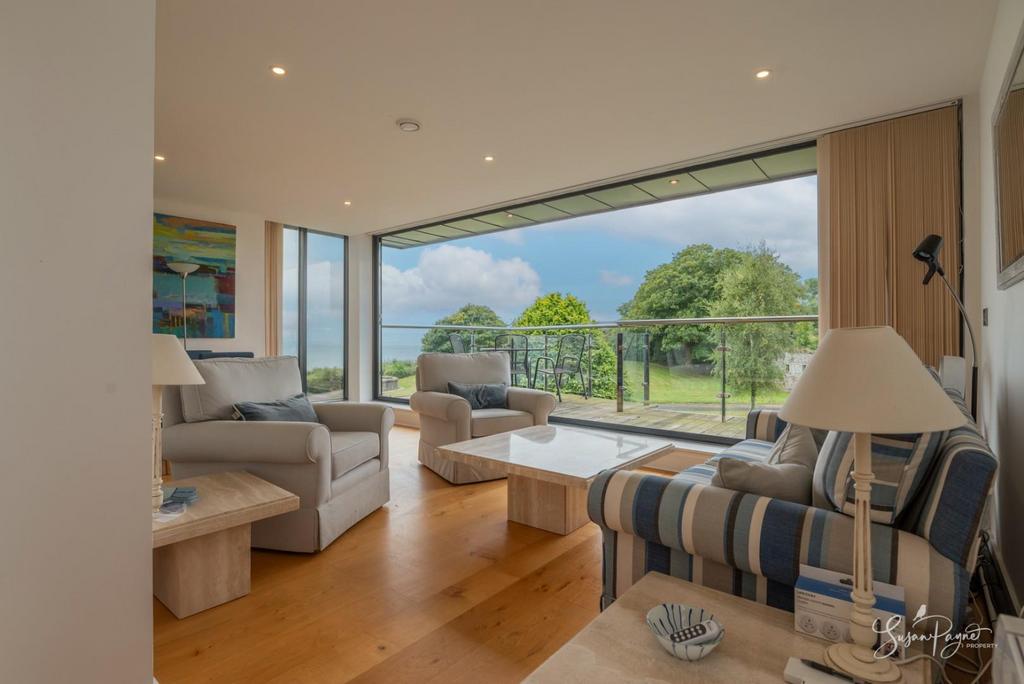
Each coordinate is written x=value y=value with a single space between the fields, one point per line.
x=634 y=323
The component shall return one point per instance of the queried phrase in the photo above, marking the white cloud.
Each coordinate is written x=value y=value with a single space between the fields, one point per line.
x=615 y=279
x=447 y=277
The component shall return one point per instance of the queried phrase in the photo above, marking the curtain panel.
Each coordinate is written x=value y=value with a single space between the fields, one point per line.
x=881 y=189
x=273 y=254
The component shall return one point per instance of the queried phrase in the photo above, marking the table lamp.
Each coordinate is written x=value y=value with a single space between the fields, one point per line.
x=867 y=381
x=170 y=366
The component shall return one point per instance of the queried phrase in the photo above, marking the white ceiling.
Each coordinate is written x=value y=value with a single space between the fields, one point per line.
x=560 y=92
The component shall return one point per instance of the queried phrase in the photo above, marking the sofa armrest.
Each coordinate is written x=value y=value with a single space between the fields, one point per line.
x=765 y=425
x=247 y=442
x=356 y=417
x=536 y=402
x=766 y=537
x=446 y=407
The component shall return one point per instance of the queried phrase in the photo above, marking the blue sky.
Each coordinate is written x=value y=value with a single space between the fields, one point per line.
x=600 y=259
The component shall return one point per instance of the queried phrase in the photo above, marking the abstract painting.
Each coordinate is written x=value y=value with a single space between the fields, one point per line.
x=210 y=290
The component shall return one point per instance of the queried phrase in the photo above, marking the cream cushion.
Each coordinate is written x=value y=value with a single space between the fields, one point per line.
x=795 y=445
x=484 y=422
x=351 y=449
x=786 y=481
x=786 y=473
x=231 y=380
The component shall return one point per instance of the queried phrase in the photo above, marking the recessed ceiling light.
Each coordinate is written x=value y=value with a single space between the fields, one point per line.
x=278 y=70
x=674 y=181
x=348 y=203
x=408 y=125
x=159 y=157
x=489 y=158
x=763 y=74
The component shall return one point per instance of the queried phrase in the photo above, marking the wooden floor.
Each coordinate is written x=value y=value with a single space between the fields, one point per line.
x=435 y=587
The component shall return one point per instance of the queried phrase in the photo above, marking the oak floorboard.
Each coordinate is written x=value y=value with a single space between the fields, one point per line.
x=435 y=586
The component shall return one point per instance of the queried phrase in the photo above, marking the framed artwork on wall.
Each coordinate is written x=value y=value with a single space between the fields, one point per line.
x=193 y=277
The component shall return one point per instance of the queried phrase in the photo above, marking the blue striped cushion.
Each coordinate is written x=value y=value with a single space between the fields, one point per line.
x=900 y=464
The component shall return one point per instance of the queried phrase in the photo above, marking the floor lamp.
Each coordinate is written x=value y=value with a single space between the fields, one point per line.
x=867 y=381
x=928 y=252
x=170 y=366
x=184 y=269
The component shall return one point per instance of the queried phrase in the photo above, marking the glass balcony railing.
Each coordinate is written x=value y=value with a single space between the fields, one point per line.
x=686 y=377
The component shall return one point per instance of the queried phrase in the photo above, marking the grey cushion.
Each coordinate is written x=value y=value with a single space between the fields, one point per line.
x=787 y=481
x=435 y=370
x=229 y=381
x=487 y=396
x=295 y=409
x=796 y=444
x=484 y=422
x=352 y=449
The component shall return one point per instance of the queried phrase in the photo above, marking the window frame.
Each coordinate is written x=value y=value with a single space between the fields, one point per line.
x=302 y=314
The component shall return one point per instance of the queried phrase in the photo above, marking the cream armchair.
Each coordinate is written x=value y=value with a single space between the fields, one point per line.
x=337 y=466
x=446 y=418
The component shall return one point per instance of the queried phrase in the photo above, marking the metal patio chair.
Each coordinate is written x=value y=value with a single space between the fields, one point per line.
x=518 y=349
x=458 y=346
x=568 y=360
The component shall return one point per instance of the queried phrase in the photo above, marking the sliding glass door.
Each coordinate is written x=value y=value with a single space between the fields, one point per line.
x=313 y=318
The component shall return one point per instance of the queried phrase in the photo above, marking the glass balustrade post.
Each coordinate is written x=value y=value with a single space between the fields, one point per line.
x=723 y=350
x=645 y=349
x=619 y=385
x=588 y=391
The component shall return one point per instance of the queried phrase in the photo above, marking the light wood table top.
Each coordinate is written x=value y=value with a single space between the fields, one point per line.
x=561 y=455
x=617 y=646
x=226 y=500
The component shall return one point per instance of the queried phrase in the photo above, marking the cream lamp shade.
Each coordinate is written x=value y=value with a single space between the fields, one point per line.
x=170 y=363
x=869 y=380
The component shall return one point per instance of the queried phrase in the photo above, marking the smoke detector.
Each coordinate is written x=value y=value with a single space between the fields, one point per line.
x=408 y=125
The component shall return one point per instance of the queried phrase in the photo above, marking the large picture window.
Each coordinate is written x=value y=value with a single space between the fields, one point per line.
x=672 y=304
x=313 y=309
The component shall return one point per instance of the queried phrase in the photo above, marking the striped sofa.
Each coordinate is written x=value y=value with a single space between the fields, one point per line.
x=752 y=546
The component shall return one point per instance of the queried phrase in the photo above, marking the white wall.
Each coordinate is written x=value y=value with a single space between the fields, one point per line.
x=76 y=157
x=1002 y=373
x=250 y=272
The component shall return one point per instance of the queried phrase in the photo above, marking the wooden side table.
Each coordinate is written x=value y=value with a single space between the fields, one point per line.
x=202 y=558
x=617 y=646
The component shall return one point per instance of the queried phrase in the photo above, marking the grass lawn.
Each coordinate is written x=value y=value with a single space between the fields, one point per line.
x=676 y=386
x=668 y=386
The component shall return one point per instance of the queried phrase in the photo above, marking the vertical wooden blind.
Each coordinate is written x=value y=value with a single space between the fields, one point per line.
x=881 y=189
x=273 y=257
x=1010 y=157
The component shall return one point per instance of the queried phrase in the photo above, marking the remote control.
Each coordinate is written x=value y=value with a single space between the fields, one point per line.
x=696 y=634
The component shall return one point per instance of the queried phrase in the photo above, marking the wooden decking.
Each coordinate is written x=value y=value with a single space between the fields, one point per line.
x=677 y=418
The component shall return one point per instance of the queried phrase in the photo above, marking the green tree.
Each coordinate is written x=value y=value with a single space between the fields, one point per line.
x=558 y=309
x=807 y=333
x=759 y=285
x=436 y=340
x=685 y=287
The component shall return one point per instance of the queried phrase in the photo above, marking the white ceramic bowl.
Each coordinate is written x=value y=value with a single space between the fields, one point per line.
x=669 y=618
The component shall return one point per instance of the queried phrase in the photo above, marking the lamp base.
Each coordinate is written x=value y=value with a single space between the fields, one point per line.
x=846 y=658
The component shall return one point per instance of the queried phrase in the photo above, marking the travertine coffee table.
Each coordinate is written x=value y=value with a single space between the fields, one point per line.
x=550 y=467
